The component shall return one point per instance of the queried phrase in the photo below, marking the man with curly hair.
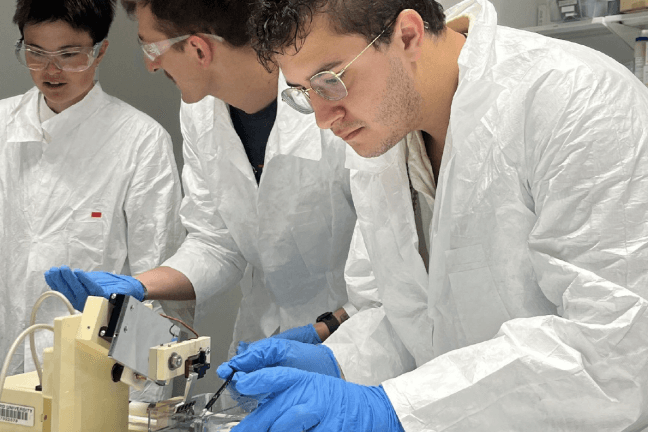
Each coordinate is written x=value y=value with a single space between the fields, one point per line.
x=533 y=155
x=265 y=189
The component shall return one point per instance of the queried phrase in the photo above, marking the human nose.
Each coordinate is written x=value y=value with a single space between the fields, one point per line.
x=326 y=112
x=151 y=65
x=52 y=67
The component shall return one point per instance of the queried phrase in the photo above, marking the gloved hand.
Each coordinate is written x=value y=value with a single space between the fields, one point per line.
x=272 y=352
x=77 y=285
x=306 y=334
x=304 y=401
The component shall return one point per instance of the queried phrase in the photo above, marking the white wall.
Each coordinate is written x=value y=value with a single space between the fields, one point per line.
x=122 y=74
x=511 y=13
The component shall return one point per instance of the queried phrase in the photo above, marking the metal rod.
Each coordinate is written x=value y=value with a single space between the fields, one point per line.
x=219 y=391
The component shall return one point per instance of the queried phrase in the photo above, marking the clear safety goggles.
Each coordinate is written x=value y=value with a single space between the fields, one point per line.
x=154 y=50
x=69 y=60
x=326 y=84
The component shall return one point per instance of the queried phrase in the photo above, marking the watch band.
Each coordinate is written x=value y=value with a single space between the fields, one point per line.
x=145 y=291
x=330 y=320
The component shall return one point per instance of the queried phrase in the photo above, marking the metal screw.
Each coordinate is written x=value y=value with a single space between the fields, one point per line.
x=113 y=296
x=175 y=361
x=102 y=333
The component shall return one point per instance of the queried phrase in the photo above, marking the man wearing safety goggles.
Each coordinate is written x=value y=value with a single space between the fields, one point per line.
x=85 y=179
x=265 y=189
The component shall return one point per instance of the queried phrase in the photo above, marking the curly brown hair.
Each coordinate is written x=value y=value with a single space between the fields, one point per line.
x=276 y=25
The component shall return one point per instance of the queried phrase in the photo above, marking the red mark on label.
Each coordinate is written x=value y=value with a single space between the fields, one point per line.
x=96 y=214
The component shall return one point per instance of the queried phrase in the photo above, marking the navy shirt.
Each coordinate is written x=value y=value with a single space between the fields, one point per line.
x=254 y=130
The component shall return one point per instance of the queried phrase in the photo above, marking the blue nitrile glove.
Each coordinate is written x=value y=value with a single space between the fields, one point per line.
x=272 y=352
x=306 y=334
x=304 y=401
x=77 y=285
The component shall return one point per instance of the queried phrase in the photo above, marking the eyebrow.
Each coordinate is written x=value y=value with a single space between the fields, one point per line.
x=326 y=67
x=56 y=50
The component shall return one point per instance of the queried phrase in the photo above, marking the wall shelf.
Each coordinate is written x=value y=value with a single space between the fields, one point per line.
x=625 y=26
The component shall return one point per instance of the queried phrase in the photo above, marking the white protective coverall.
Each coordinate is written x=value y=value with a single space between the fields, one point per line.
x=294 y=228
x=94 y=187
x=539 y=245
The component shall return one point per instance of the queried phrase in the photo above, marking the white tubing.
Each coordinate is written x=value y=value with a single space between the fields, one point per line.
x=12 y=350
x=32 y=321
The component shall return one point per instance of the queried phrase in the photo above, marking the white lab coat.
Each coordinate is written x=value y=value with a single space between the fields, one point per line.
x=95 y=187
x=293 y=229
x=539 y=257
x=386 y=226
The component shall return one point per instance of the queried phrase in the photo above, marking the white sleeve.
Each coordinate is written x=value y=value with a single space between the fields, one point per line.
x=368 y=331
x=152 y=204
x=209 y=256
x=362 y=289
x=368 y=349
x=587 y=369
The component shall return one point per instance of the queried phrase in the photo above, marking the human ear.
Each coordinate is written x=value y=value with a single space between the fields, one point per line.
x=409 y=33
x=102 y=51
x=203 y=49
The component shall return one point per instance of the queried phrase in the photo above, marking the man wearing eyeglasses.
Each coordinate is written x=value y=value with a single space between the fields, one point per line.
x=266 y=189
x=537 y=158
x=85 y=179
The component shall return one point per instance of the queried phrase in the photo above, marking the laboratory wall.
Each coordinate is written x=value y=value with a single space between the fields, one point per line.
x=523 y=14
x=122 y=74
x=511 y=13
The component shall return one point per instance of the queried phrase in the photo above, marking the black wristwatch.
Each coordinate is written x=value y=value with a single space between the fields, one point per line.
x=330 y=320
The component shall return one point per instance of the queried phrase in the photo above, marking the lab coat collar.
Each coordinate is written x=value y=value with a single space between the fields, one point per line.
x=229 y=143
x=375 y=164
x=292 y=134
x=25 y=126
x=77 y=114
x=477 y=54
x=477 y=90
x=24 y=121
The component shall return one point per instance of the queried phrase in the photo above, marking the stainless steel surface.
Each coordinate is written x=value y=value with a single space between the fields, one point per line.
x=189 y=385
x=138 y=329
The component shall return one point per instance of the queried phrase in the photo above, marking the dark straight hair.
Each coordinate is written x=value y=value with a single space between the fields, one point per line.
x=225 y=18
x=92 y=16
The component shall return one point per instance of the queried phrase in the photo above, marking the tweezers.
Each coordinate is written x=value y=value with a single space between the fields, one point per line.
x=214 y=398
